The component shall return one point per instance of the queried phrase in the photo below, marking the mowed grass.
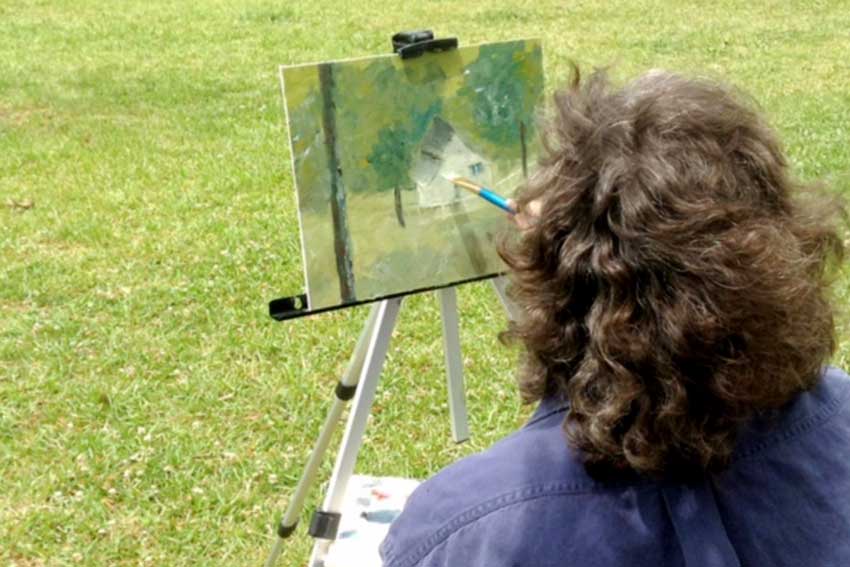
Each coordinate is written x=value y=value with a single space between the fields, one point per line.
x=150 y=412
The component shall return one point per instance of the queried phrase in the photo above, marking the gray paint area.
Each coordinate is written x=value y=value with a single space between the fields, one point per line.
x=442 y=156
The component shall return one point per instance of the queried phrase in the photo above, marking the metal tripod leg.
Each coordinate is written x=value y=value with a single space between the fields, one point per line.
x=499 y=284
x=344 y=392
x=326 y=520
x=362 y=374
x=454 y=365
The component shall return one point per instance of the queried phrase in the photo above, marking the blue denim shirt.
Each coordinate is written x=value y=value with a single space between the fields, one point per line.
x=783 y=501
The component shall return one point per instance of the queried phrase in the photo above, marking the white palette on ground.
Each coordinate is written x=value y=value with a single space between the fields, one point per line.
x=369 y=507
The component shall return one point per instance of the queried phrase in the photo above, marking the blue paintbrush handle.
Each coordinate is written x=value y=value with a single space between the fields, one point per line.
x=496 y=199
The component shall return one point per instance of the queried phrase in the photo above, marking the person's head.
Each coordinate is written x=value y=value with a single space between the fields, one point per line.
x=674 y=284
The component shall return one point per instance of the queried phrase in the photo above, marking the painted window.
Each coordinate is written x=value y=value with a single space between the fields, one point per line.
x=476 y=168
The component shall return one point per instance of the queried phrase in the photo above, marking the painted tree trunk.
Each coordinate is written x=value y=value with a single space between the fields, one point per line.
x=399 y=209
x=339 y=210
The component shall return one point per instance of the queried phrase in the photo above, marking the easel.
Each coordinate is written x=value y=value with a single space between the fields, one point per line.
x=360 y=381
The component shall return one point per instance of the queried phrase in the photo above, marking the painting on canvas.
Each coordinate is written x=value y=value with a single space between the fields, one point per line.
x=375 y=142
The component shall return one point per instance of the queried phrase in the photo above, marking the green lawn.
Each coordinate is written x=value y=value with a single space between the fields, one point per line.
x=150 y=412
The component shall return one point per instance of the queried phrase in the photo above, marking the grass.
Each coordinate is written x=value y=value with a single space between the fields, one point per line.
x=150 y=412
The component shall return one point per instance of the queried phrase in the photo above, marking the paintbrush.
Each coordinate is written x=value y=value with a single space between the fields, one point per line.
x=483 y=192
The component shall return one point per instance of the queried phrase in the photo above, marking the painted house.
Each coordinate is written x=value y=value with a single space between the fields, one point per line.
x=441 y=156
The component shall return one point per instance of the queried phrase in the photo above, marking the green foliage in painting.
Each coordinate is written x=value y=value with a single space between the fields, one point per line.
x=502 y=87
x=500 y=101
x=392 y=155
x=385 y=107
x=383 y=112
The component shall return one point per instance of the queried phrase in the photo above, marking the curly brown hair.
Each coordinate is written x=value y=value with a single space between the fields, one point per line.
x=677 y=281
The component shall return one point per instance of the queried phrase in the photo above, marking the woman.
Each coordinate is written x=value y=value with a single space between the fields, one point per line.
x=674 y=284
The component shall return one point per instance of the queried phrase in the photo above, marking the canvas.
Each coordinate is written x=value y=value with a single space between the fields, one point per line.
x=374 y=143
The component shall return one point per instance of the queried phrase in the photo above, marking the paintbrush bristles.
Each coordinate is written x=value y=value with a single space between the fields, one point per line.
x=467 y=184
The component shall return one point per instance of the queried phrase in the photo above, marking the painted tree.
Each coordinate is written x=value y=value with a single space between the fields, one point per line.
x=392 y=155
x=385 y=110
x=496 y=105
x=339 y=209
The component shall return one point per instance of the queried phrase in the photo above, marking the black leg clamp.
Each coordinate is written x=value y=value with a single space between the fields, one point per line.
x=345 y=393
x=284 y=532
x=324 y=525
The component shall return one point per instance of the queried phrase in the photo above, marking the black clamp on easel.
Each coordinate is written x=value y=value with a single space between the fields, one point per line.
x=410 y=44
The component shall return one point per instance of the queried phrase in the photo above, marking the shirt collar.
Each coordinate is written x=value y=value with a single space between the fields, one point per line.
x=548 y=406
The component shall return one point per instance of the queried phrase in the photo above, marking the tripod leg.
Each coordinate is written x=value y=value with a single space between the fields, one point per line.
x=499 y=284
x=454 y=365
x=325 y=521
x=344 y=392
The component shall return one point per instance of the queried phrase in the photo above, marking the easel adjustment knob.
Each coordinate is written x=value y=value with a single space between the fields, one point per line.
x=324 y=525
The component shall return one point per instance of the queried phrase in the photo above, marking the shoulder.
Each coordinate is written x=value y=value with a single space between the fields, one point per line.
x=822 y=412
x=785 y=492
x=482 y=497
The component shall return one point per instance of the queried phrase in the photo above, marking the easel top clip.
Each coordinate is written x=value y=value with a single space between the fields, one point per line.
x=410 y=44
